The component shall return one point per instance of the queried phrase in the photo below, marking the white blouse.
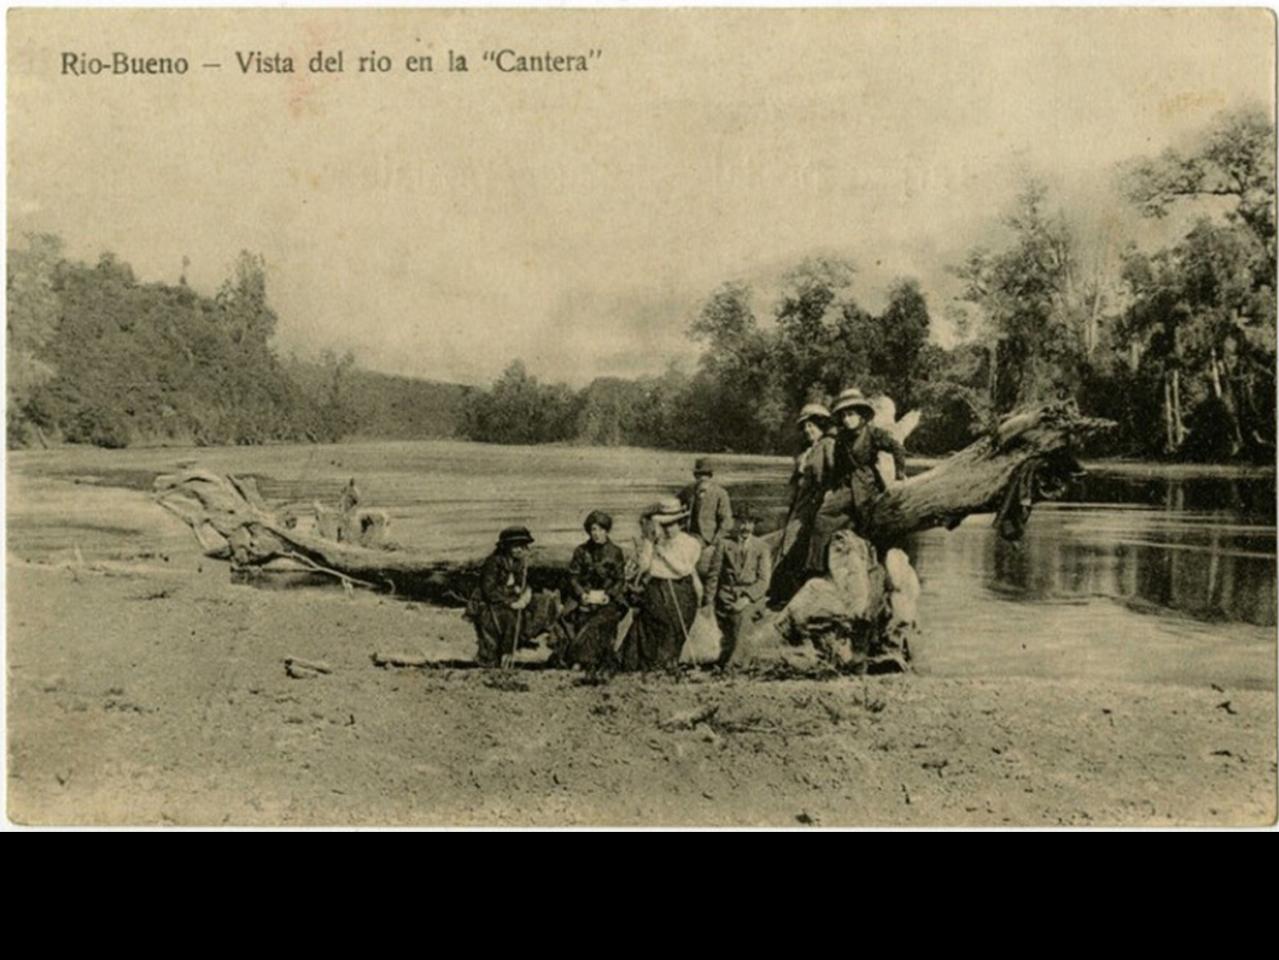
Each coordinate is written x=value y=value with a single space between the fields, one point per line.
x=671 y=559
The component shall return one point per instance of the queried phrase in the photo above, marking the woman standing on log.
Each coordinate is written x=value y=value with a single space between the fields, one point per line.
x=813 y=471
x=587 y=632
x=665 y=569
x=497 y=605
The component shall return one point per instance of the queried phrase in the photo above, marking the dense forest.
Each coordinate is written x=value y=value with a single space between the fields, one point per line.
x=1177 y=344
x=97 y=357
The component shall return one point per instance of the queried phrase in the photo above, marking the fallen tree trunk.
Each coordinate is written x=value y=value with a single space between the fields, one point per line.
x=232 y=522
x=1035 y=446
x=1038 y=443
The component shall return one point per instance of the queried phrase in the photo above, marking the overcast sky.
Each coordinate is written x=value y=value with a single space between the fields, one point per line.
x=443 y=225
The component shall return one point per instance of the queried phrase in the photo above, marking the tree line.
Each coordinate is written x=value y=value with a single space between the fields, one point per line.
x=1177 y=344
x=95 y=356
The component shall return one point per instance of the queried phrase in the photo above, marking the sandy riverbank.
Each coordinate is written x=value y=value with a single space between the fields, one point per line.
x=148 y=693
x=145 y=688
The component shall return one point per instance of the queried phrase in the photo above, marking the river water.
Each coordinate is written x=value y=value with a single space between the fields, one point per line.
x=1138 y=574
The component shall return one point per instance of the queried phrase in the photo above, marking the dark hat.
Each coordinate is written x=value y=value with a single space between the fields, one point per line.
x=703 y=467
x=597 y=518
x=514 y=536
x=852 y=399
x=746 y=515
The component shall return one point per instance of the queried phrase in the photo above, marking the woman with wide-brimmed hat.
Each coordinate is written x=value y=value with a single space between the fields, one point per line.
x=666 y=587
x=855 y=480
x=857 y=447
x=497 y=605
x=813 y=471
x=586 y=634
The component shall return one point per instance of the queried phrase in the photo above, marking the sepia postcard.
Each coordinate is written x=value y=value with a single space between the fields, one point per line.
x=640 y=418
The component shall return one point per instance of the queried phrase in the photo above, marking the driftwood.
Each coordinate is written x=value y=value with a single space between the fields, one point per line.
x=400 y=660
x=300 y=669
x=232 y=522
x=977 y=479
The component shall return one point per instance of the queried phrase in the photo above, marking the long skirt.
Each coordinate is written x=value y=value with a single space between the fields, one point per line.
x=802 y=552
x=587 y=636
x=495 y=625
x=662 y=623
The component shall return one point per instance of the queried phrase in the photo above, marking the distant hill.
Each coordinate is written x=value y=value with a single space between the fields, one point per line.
x=97 y=356
x=381 y=405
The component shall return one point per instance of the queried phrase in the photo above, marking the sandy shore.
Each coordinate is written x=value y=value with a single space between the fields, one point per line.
x=145 y=692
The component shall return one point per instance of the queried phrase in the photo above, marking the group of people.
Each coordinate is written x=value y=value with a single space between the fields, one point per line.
x=692 y=551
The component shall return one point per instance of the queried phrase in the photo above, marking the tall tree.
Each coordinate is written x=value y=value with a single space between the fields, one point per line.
x=1204 y=309
x=31 y=321
x=1024 y=294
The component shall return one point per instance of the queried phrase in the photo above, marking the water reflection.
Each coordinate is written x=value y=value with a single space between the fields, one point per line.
x=1203 y=548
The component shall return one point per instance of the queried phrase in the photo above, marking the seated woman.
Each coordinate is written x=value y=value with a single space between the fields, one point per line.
x=496 y=608
x=856 y=482
x=666 y=585
x=586 y=634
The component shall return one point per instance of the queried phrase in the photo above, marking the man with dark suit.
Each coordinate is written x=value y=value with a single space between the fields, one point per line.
x=745 y=569
x=710 y=518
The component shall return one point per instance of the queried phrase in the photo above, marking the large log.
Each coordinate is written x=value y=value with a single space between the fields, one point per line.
x=232 y=522
x=1036 y=445
x=1040 y=443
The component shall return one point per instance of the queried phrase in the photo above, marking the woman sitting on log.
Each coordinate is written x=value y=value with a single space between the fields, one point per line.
x=586 y=634
x=813 y=471
x=855 y=480
x=666 y=584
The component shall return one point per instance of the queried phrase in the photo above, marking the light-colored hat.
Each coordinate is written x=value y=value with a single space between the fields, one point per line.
x=852 y=399
x=813 y=410
x=667 y=510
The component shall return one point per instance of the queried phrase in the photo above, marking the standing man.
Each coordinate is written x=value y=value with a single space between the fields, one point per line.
x=710 y=518
x=745 y=569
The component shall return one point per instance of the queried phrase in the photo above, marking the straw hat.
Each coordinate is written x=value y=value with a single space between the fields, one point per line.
x=852 y=399
x=667 y=510
x=812 y=411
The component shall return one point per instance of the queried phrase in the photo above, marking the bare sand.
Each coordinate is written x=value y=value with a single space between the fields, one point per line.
x=145 y=688
x=145 y=695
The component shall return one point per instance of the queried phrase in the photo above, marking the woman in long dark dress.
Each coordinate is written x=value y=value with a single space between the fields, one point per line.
x=813 y=471
x=587 y=632
x=666 y=572
x=496 y=607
